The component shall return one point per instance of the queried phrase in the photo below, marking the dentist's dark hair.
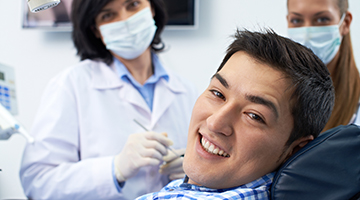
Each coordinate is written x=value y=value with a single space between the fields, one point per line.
x=83 y=14
x=312 y=98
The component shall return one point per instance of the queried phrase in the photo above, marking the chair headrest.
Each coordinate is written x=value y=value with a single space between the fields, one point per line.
x=326 y=168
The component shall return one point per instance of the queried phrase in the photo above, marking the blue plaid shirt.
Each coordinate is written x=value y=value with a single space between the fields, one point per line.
x=180 y=189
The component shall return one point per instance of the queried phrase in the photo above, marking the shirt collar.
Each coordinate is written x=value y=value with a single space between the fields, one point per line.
x=159 y=72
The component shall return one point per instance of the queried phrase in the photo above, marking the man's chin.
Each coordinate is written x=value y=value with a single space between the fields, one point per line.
x=209 y=183
x=193 y=182
x=196 y=178
x=192 y=172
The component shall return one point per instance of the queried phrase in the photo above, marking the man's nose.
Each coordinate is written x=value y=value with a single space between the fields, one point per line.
x=221 y=121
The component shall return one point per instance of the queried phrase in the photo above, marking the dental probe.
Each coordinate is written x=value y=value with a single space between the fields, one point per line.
x=148 y=130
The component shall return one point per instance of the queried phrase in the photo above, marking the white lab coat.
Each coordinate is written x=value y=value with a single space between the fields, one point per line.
x=85 y=117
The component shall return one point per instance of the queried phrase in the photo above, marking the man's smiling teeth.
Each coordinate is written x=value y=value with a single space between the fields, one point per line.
x=211 y=148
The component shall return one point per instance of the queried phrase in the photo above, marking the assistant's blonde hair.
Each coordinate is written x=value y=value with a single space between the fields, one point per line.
x=346 y=80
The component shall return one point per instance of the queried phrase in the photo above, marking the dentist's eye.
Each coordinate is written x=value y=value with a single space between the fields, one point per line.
x=295 y=21
x=107 y=16
x=133 y=5
x=218 y=94
x=323 y=20
x=256 y=117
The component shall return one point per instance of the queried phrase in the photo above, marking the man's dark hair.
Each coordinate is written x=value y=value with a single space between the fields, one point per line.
x=313 y=95
x=83 y=14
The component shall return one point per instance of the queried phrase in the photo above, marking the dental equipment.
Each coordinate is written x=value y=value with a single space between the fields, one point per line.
x=10 y=126
x=39 y=5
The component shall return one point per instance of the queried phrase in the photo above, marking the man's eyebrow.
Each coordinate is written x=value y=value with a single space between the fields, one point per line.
x=262 y=101
x=221 y=79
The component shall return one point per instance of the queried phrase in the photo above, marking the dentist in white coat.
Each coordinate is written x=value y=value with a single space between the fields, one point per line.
x=87 y=145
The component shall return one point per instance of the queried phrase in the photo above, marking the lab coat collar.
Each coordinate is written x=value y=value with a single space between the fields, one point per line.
x=159 y=71
x=174 y=83
x=104 y=76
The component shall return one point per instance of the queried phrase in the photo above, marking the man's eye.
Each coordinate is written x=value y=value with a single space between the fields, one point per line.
x=218 y=94
x=256 y=117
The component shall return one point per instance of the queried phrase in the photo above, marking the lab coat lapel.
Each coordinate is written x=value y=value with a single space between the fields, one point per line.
x=105 y=77
x=163 y=97
x=130 y=94
x=165 y=94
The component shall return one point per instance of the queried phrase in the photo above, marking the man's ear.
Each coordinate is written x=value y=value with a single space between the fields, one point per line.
x=298 y=144
x=345 y=26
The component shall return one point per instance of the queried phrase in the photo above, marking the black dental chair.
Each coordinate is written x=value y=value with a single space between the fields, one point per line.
x=326 y=168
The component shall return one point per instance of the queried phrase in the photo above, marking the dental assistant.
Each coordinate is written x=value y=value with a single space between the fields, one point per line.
x=87 y=145
x=324 y=27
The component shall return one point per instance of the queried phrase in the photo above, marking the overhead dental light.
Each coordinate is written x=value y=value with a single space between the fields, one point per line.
x=39 y=5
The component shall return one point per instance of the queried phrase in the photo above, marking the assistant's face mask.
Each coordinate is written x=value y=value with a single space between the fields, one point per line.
x=131 y=37
x=324 y=41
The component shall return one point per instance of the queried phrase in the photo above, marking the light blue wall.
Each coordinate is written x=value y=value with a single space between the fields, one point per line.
x=37 y=56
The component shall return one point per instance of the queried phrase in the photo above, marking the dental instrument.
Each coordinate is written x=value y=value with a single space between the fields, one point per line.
x=172 y=150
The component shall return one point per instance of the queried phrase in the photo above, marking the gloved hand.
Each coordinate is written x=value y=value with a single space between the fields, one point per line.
x=173 y=165
x=141 y=149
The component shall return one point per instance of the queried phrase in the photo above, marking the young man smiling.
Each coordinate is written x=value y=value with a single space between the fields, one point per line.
x=269 y=98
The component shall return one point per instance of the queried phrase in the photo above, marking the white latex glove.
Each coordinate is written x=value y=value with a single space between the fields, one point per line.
x=141 y=149
x=173 y=165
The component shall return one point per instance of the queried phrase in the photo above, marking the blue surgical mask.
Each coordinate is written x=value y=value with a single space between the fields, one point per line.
x=131 y=37
x=324 y=41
